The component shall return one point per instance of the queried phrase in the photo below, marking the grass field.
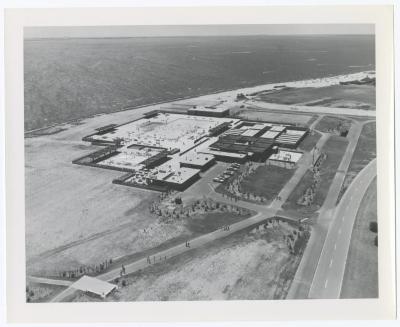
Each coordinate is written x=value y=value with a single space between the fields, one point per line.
x=260 y=267
x=332 y=124
x=334 y=148
x=267 y=181
x=341 y=96
x=361 y=274
x=363 y=154
x=274 y=117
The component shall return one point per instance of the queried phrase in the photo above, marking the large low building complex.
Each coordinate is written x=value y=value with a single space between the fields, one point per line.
x=164 y=150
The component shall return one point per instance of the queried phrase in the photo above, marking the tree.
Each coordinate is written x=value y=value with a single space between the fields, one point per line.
x=373 y=226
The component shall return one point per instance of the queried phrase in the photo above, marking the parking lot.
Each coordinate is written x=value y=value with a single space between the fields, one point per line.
x=229 y=171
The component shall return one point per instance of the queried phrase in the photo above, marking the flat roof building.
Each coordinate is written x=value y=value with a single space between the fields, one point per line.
x=285 y=158
x=213 y=111
x=94 y=286
x=291 y=138
x=172 y=175
x=197 y=160
x=256 y=148
x=270 y=134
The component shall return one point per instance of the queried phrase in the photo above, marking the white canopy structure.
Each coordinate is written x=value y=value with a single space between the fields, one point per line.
x=94 y=285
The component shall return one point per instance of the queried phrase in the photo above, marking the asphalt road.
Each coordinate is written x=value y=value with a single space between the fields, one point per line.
x=329 y=274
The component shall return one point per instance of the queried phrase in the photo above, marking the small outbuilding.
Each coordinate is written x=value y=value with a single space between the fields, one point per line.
x=94 y=286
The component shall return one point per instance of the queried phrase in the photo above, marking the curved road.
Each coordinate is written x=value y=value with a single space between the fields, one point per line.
x=327 y=282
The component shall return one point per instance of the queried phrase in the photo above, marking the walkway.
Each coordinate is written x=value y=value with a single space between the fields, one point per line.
x=49 y=281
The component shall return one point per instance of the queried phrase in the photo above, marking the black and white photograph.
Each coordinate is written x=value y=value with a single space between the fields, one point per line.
x=200 y=163
x=181 y=164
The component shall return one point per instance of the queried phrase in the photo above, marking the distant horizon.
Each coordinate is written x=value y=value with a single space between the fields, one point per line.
x=142 y=31
x=183 y=36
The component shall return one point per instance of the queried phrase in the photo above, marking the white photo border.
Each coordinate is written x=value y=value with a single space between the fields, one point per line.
x=20 y=311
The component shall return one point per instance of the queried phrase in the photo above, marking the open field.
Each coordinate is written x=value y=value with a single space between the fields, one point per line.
x=273 y=117
x=337 y=96
x=361 y=273
x=260 y=267
x=333 y=124
x=130 y=243
x=363 y=154
x=66 y=202
x=334 y=149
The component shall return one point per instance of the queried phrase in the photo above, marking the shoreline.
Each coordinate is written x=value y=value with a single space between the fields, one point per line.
x=314 y=82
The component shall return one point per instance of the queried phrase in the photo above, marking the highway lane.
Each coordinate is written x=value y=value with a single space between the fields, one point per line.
x=329 y=274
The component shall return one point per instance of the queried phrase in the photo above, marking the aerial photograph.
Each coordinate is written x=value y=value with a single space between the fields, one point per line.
x=200 y=163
